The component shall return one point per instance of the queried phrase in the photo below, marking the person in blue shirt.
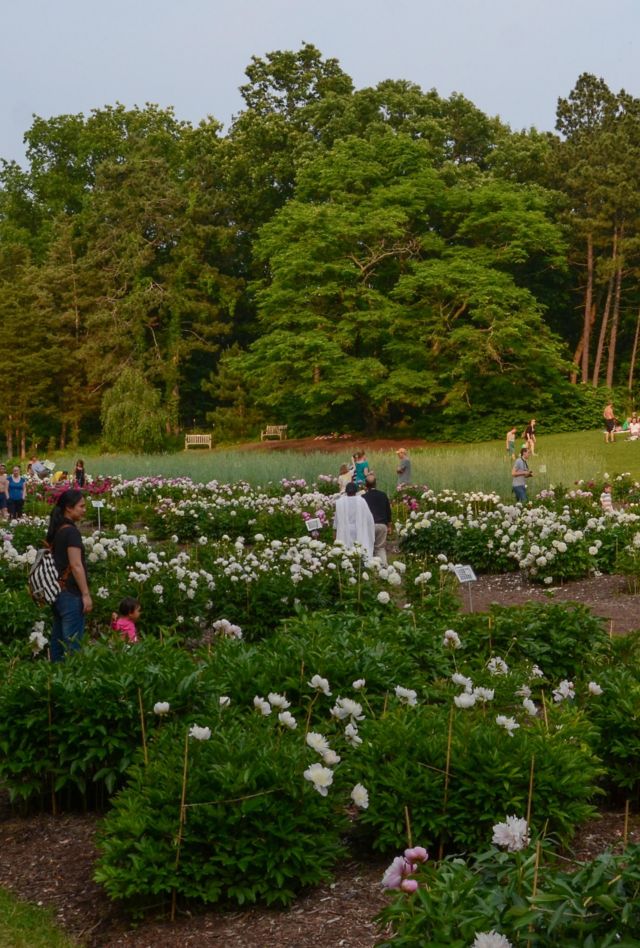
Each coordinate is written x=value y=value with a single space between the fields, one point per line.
x=17 y=493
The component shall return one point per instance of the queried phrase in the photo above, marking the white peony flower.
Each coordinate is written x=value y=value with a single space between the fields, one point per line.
x=261 y=705
x=351 y=735
x=161 y=707
x=199 y=733
x=564 y=691
x=497 y=666
x=320 y=684
x=451 y=639
x=224 y=701
x=509 y=724
x=465 y=700
x=483 y=694
x=594 y=688
x=346 y=708
x=383 y=598
x=359 y=684
x=490 y=939
x=360 y=796
x=512 y=835
x=286 y=718
x=407 y=696
x=317 y=742
x=321 y=778
x=278 y=701
x=529 y=707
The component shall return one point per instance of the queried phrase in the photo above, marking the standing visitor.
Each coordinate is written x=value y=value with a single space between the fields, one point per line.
x=519 y=474
x=403 y=469
x=529 y=436
x=609 y=423
x=79 y=473
x=510 y=442
x=4 y=492
x=74 y=600
x=379 y=505
x=353 y=522
x=17 y=493
x=360 y=468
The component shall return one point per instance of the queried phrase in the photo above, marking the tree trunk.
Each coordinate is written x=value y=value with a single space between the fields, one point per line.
x=588 y=303
x=63 y=435
x=634 y=353
x=577 y=356
x=9 y=437
x=23 y=444
x=613 y=337
x=605 y=316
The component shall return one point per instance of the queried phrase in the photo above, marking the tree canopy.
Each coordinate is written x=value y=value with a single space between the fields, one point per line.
x=341 y=258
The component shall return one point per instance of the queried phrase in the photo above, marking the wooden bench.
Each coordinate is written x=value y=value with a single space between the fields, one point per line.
x=197 y=441
x=274 y=431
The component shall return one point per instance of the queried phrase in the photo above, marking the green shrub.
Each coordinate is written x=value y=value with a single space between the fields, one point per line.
x=254 y=828
x=402 y=762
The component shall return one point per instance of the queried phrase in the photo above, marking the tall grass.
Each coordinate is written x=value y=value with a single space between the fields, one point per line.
x=566 y=457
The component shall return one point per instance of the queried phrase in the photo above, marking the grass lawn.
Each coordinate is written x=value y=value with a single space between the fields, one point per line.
x=28 y=926
x=485 y=466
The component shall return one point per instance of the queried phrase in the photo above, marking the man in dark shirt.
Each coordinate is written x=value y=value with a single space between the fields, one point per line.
x=379 y=505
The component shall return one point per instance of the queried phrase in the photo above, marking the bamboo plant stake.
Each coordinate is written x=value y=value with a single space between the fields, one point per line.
x=183 y=816
x=143 y=729
x=446 y=775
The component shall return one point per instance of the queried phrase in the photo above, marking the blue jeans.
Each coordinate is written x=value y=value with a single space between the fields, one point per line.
x=68 y=625
x=521 y=494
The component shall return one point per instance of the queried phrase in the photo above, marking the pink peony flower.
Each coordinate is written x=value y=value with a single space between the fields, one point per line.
x=409 y=885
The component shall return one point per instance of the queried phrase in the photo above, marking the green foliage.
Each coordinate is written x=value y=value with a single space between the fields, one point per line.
x=527 y=902
x=559 y=638
x=76 y=726
x=132 y=418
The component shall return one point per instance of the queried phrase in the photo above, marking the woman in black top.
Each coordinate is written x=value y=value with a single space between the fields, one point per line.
x=79 y=473
x=74 y=600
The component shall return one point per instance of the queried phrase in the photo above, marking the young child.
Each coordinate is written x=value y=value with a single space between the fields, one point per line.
x=344 y=477
x=361 y=468
x=124 y=620
x=606 y=500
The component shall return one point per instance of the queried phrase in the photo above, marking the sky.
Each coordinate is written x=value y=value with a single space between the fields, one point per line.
x=512 y=58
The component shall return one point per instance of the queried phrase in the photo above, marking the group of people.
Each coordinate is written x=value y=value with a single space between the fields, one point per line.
x=528 y=436
x=13 y=487
x=363 y=512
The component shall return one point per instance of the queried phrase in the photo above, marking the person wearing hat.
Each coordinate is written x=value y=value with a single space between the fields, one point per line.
x=403 y=469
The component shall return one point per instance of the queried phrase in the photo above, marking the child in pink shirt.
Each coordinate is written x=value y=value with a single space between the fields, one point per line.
x=124 y=620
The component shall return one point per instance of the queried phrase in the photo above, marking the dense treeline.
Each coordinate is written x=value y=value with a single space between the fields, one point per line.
x=339 y=259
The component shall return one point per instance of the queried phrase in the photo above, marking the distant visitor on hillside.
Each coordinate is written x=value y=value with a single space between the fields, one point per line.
x=403 y=469
x=519 y=474
x=609 y=423
x=510 y=442
x=529 y=435
x=79 y=473
x=353 y=521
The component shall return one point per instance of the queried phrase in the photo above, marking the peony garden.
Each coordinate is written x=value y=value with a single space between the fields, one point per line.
x=289 y=703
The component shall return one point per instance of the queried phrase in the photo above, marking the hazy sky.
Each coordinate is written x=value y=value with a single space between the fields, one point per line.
x=512 y=58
